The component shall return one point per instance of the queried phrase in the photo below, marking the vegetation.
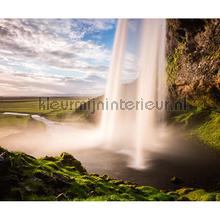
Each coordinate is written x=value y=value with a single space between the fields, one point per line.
x=57 y=108
x=193 y=51
x=209 y=131
x=23 y=177
x=203 y=124
x=173 y=64
x=19 y=122
x=193 y=72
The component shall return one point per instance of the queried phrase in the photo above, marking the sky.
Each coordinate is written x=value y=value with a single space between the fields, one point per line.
x=55 y=56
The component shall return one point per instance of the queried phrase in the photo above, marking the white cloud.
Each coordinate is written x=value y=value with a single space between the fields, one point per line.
x=35 y=49
x=36 y=85
x=56 y=56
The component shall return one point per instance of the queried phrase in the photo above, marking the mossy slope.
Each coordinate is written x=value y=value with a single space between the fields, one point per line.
x=23 y=177
x=204 y=124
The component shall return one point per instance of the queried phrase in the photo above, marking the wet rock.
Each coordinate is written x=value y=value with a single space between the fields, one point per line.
x=183 y=198
x=92 y=193
x=177 y=181
x=69 y=160
x=61 y=197
x=4 y=162
x=54 y=180
x=49 y=158
x=118 y=182
x=71 y=195
x=105 y=176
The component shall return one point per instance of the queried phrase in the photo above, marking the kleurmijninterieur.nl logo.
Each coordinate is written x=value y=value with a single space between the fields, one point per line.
x=93 y=105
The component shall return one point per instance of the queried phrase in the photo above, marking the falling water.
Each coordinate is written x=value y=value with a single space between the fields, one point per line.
x=151 y=86
x=112 y=93
x=138 y=129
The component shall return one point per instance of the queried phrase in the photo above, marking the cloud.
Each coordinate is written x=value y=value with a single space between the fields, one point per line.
x=54 y=42
x=47 y=47
x=22 y=84
x=57 y=56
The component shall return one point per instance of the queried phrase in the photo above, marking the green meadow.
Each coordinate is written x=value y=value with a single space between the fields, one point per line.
x=53 y=108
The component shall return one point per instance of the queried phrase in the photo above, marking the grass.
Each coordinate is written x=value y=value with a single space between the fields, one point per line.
x=58 y=109
x=203 y=124
x=19 y=122
x=66 y=111
x=209 y=131
x=23 y=177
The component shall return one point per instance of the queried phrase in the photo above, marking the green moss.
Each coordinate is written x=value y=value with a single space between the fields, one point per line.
x=184 y=118
x=173 y=64
x=202 y=102
x=192 y=194
x=200 y=195
x=209 y=131
x=23 y=177
x=203 y=124
x=184 y=191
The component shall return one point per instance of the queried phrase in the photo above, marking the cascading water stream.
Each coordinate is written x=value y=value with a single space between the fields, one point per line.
x=149 y=88
x=113 y=89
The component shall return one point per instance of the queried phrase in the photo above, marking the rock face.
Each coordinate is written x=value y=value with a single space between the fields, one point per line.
x=193 y=55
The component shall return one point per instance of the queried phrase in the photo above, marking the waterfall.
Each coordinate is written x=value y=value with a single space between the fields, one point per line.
x=137 y=129
x=151 y=85
x=112 y=94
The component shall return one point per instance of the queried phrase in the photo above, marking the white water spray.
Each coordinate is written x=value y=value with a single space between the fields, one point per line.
x=138 y=129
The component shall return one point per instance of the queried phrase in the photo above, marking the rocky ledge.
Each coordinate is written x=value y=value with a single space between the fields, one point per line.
x=23 y=177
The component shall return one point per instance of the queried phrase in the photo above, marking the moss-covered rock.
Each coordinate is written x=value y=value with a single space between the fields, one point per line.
x=23 y=177
x=209 y=131
x=203 y=124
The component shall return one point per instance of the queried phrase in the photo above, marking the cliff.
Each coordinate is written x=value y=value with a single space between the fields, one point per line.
x=193 y=57
x=193 y=69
